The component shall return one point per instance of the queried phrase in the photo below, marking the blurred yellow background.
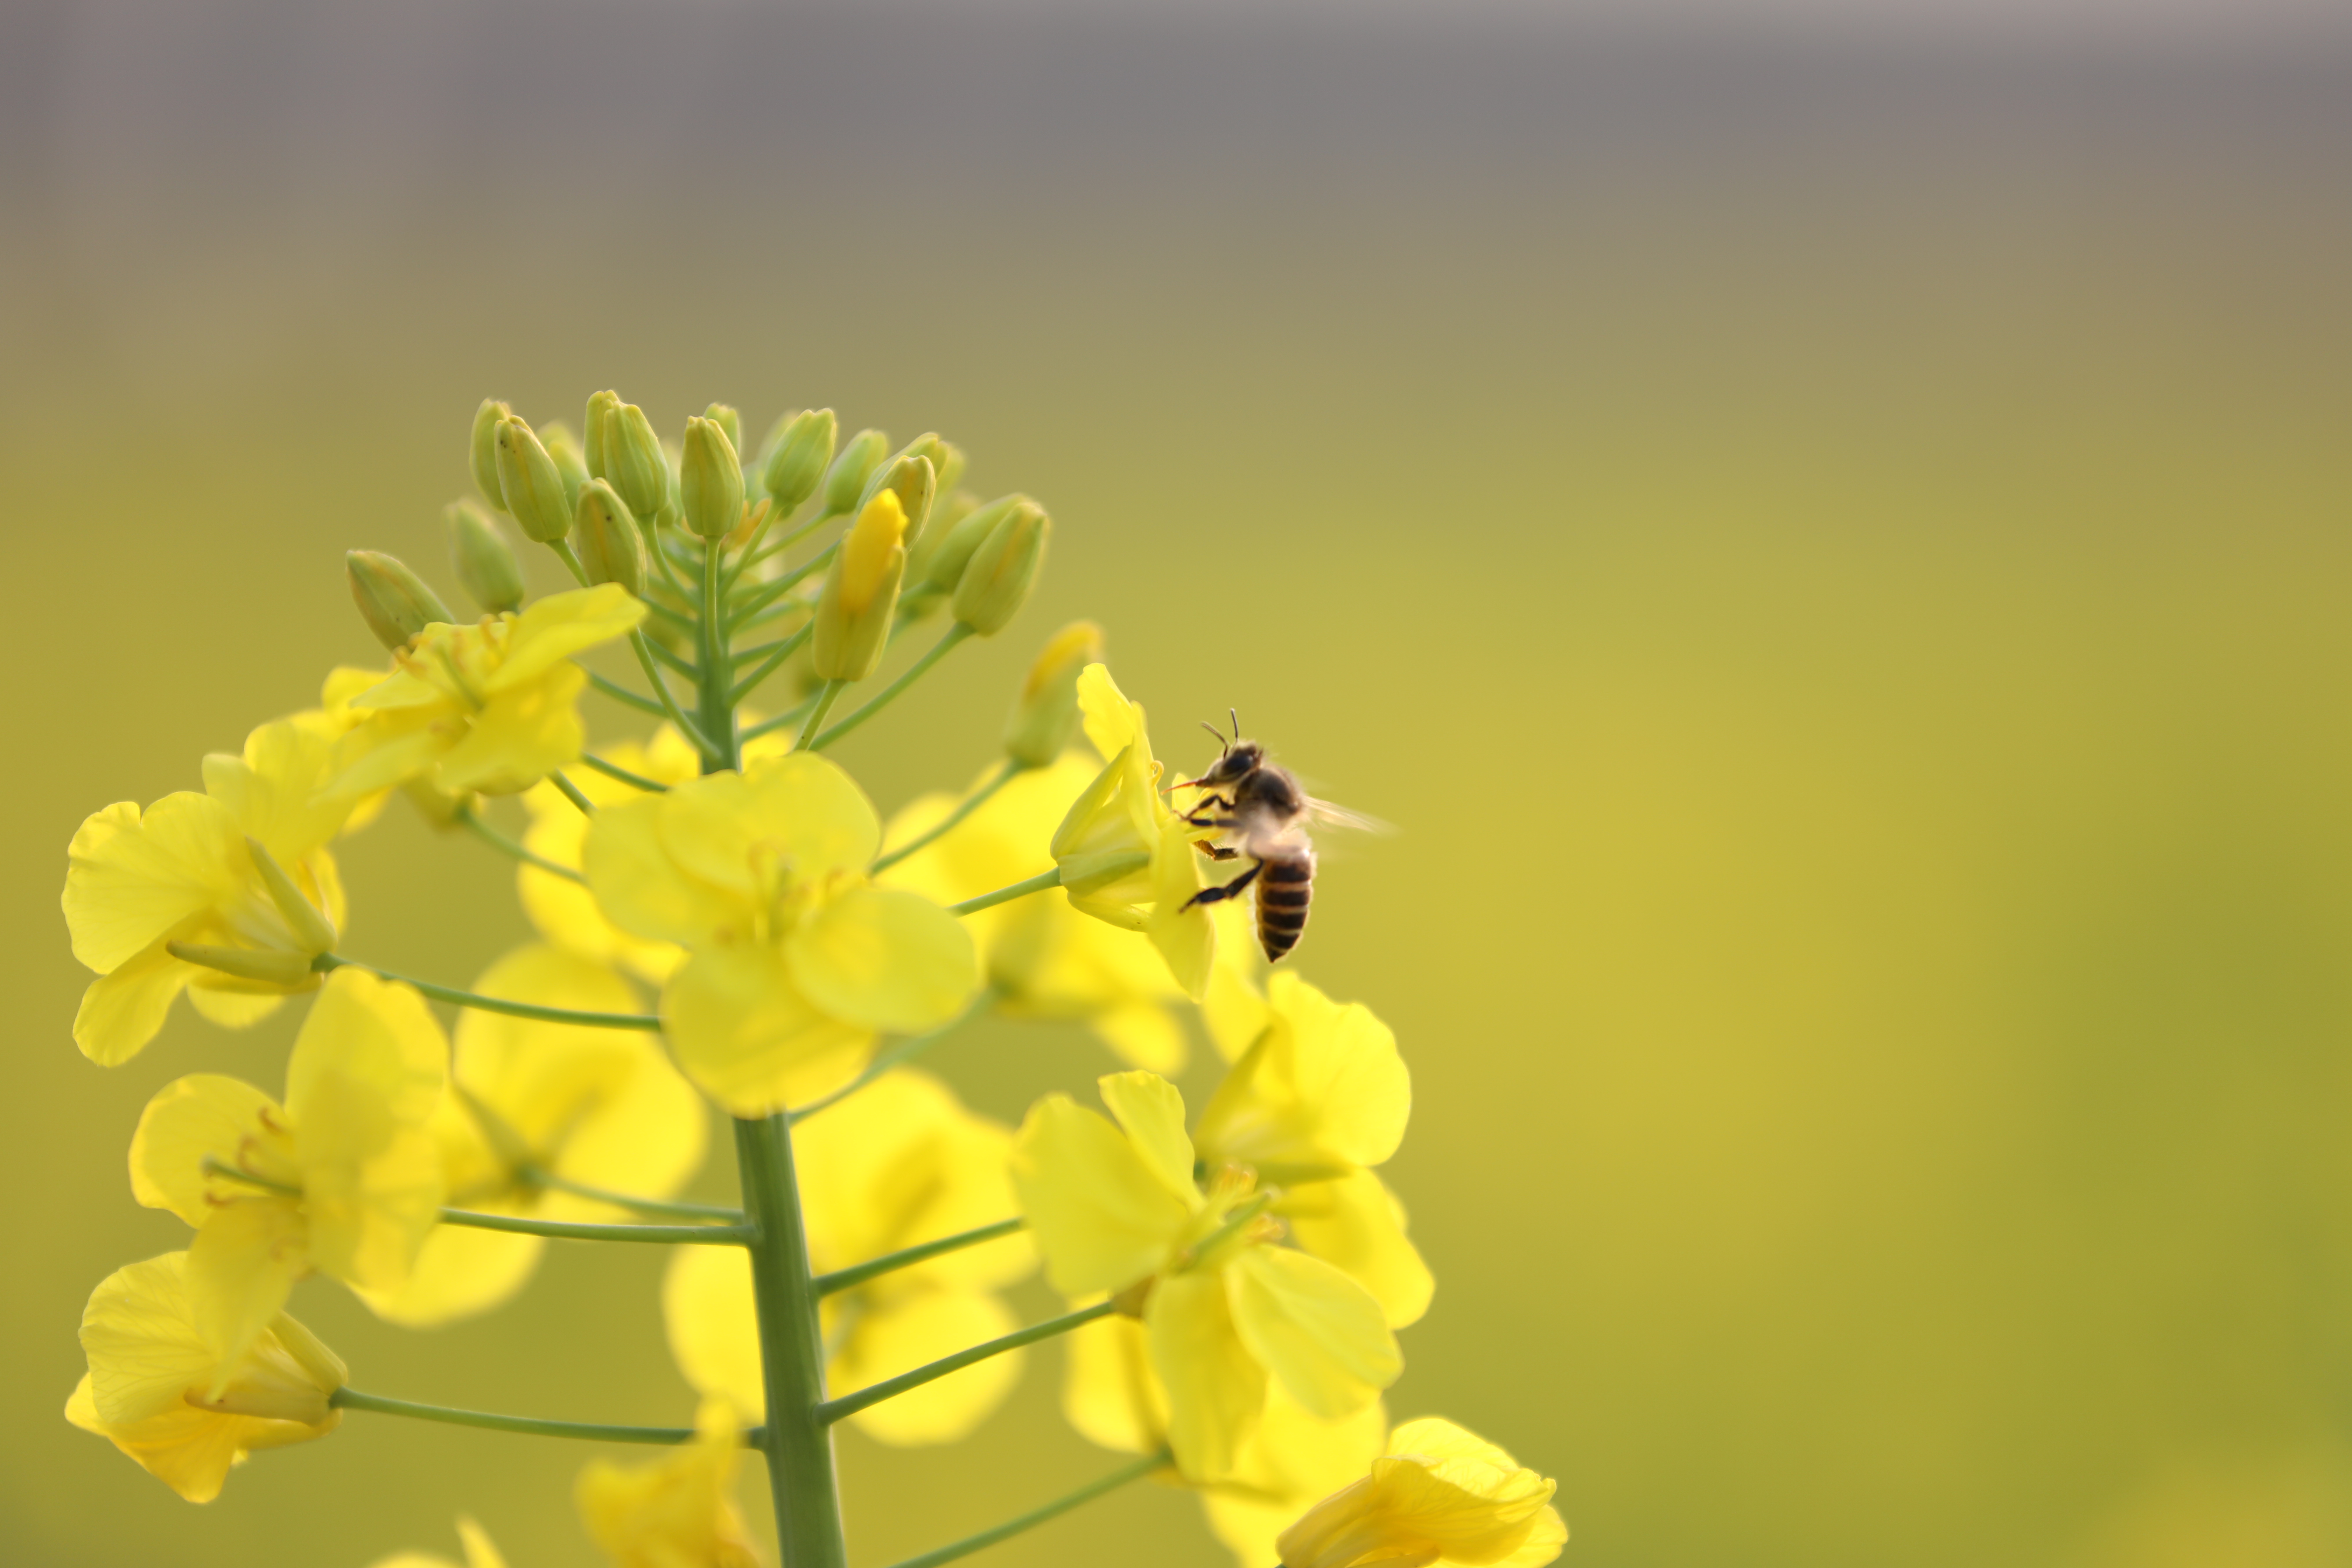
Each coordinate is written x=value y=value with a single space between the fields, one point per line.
x=1836 y=556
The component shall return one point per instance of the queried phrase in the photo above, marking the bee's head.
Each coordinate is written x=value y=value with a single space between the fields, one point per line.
x=1240 y=761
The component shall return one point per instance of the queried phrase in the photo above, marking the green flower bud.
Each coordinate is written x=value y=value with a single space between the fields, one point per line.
x=710 y=479
x=600 y=408
x=393 y=600
x=1002 y=571
x=725 y=416
x=635 y=464
x=949 y=459
x=485 y=561
x=531 y=484
x=485 y=451
x=912 y=477
x=1046 y=716
x=611 y=547
x=796 y=462
x=861 y=591
x=569 y=461
x=845 y=482
x=941 y=567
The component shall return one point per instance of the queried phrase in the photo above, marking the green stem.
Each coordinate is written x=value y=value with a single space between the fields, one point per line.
x=668 y=569
x=531 y=1425
x=915 y=671
x=614 y=771
x=718 y=670
x=620 y=693
x=1036 y=884
x=823 y=705
x=753 y=554
x=947 y=824
x=906 y=1257
x=676 y=661
x=1037 y=1516
x=775 y=588
x=792 y=1352
x=849 y=1405
x=505 y=846
x=783 y=651
x=783 y=720
x=570 y=1230
x=563 y=548
x=327 y=962
x=571 y=791
x=685 y=726
x=534 y=1175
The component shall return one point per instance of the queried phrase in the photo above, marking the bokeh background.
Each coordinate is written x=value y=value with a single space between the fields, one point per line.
x=1829 y=525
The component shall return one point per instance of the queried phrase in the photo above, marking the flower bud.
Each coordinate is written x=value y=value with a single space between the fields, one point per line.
x=635 y=464
x=939 y=566
x=845 y=482
x=600 y=408
x=802 y=447
x=861 y=591
x=484 y=452
x=569 y=461
x=997 y=581
x=912 y=478
x=1046 y=716
x=949 y=459
x=393 y=600
x=485 y=561
x=710 y=481
x=611 y=546
x=727 y=418
x=533 y=484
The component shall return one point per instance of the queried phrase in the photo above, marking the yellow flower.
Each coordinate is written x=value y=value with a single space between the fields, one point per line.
x=1044 y=959
x=899 y=1163
x=1438 y=1495
x=157 y=1390
x=239 y=877
x=1117 y=1209
x=1112 y=1396
x=1318 y=1099
x=676 y=1512
x=479 y=1551
x=1124 y=857
x=492 y=707
x=604 y=1108
x=798 y=961
x=344 y=1177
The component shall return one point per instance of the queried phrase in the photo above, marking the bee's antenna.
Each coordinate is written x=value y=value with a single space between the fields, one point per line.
x=1223 y=745
x=1237 y=722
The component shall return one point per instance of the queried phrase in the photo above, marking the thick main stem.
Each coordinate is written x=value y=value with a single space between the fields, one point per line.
x=792 y=1352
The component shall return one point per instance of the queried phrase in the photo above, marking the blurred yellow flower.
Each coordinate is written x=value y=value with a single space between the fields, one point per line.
x=677 y=1511
x=479 y=1551
x=1112 y=1396
x=492 y=707
x=798 y=961
x=602 y=1107
x=1438 y=1495
x=1044 y=959
x=239 y=877
x=898 y=1163
x=344 y=1178
x=1115 y=1208
x=1317 y=1098
x=157 y=1390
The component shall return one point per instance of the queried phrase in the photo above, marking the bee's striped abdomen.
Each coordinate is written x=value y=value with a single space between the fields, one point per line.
x=1284 y=889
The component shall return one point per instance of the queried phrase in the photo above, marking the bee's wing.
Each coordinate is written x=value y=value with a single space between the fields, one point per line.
x=1331 y=815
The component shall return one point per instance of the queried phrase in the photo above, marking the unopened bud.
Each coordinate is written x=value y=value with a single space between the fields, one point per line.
x=635 y=464
x=395 y=602
x=569 y=461
x=728 y=419
x=1002 y=571
x=949 y=459
x=861 y=591
x=1047 y=718
x=941 y=567
x=710 y=479
x=611 y=546
x=485 y=561
x=533 y=484
x=804 y=446
x=845 y=482
x=912 y=478
x=600 y=408
x=484 y=453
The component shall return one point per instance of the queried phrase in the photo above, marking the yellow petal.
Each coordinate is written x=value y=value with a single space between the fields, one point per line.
x=272 y=789
x=1143 y=1035
x=1110 y=1393
x=369 y=1218
x=1103 y=1218
x=1217 y=1388
x=461 y=1273
x=1293 y=1459
x=1112 y=722
x=1148 y=1109
x=901 y=1330
x=370 y=1051
x=480 y=1552
x=1357 y=1225
x=1186 y=938
x=526 y=731
x=885 y=959
x=122 y=1011
x=131 y=878
x=560 y=625
x=643 y=890
x=241 y=1268
x=228 y=1006
x=144 y=1348
x=1314 y=1328
x=204 y=1114
x=743 y=1030
x=1324 y=1082
x=1546 y=1536
x=565 y=910
x=712 y=1321
x=677 y=1511
x=815 y=813
x=1233 y=1008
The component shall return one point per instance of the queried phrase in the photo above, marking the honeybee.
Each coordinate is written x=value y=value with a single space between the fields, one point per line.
x=1265 y=812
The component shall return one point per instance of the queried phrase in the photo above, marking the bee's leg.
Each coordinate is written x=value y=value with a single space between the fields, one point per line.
x=1231 y=889
x=1202 y=819
x=1215 y=851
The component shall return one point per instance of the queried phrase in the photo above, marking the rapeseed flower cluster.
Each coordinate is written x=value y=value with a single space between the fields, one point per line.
x=728 y=930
